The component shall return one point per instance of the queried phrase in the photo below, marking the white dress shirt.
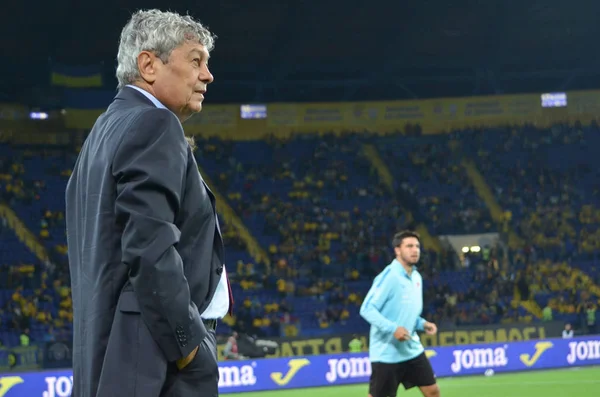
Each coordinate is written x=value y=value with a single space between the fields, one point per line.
x=219 y=305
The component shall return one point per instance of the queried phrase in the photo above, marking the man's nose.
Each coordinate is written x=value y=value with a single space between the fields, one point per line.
x=206 y=76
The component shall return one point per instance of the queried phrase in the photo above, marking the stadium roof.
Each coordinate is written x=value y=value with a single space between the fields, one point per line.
x=327 y=50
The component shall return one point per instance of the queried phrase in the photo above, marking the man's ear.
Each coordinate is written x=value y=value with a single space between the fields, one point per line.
x=147 y=66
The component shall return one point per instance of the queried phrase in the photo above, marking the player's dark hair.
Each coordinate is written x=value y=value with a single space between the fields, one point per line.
x=400 y=236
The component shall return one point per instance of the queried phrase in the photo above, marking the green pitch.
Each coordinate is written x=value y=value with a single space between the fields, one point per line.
x=561 y=383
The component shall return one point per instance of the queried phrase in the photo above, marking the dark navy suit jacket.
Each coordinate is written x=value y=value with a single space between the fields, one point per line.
x=145 y=250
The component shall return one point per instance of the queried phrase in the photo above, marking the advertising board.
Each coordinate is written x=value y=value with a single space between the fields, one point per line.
x=340 y=369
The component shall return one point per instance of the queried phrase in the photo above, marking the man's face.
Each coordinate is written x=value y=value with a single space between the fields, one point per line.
x=181 y=82
x=409 y=251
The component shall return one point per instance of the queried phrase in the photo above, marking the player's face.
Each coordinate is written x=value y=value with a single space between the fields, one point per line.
x=409 y=251
x=181 y=82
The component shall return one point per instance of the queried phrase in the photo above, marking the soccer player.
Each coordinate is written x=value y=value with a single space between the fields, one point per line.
x=393 y=307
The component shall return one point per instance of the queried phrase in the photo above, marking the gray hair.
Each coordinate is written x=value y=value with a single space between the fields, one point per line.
x=159 y=32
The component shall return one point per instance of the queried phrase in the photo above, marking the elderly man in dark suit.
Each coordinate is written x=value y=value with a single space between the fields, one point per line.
x=145 y=249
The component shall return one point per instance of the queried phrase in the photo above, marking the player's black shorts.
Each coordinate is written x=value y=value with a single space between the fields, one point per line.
x=385 y=377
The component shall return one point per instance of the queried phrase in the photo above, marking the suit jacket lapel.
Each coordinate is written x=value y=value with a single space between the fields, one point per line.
x=212 y=201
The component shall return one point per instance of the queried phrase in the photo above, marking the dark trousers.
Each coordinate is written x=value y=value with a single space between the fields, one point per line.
x=134 y=365
x=200 y=378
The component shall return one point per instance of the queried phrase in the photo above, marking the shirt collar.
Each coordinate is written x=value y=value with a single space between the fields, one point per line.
x=148 y=95
x=396 y=263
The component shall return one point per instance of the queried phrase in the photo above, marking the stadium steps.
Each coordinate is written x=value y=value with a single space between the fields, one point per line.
x=530 y=306
x=371 y=152
x=485 y=193
x=593 y=288
x=23 y=233
x=231 y=219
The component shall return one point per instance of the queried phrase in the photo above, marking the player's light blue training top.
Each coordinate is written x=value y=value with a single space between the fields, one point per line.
x=394 y=300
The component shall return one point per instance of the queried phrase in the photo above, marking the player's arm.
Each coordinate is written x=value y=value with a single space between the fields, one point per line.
x=150 y=168
x=420 y=324
x=424 y=325
x=371 y=307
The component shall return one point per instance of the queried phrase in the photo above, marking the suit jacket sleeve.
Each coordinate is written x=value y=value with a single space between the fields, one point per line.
x=150 y=169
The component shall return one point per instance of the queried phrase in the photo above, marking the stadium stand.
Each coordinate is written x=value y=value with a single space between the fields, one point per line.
x=425 y=168
x=317 y=208
x=327 y=216
x=320 y=210
x=548 y=182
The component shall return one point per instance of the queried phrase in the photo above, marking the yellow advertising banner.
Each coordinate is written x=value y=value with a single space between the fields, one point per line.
x=10 y=111
x=433 y=115
x=219 y=120
x=280 y=115
x=225 y=116
x=82 y=118
x=334 y=344
x=491 y=334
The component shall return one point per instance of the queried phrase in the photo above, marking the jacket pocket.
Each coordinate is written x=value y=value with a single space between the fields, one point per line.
x=128 y=302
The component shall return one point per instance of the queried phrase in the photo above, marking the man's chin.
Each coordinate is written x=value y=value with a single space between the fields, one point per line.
x=195 y=107
x=191 y=111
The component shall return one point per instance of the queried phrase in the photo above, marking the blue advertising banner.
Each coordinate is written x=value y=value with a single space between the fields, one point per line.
x=339 y=369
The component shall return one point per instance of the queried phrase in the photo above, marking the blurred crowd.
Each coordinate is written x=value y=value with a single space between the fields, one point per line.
x=429 y=171
x=548 y=181
x=321 y=212
x=36 y=299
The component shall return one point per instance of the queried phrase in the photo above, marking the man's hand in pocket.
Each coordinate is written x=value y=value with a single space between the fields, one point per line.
x=183 y=362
